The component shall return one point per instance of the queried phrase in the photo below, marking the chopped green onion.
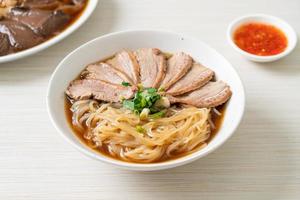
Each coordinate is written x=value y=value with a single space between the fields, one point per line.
x=162 y=103
x=147 y=101
x=126 y=84
x=151 y=90
x=122 y=98
x=161 y=89
x=140 y=87
x=158 y=115
x=140 y=129
x=144 y=114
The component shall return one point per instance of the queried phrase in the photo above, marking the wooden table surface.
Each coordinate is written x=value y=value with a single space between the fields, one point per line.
x=261 y=161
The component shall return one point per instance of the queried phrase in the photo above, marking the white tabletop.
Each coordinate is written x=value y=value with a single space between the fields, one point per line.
x=261 y=161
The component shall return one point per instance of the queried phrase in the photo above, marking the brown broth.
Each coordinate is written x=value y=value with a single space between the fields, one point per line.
x=217 y=120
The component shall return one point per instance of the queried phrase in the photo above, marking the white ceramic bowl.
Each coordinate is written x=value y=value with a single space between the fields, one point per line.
x=90 y=7
x=107 y=45
x=267 y=19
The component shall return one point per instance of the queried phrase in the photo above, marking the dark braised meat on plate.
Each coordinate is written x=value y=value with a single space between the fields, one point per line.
x=27 y=23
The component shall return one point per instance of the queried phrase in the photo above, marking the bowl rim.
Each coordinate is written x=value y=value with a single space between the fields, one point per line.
x=144 y=166
x=287 y=51
x=87 y=12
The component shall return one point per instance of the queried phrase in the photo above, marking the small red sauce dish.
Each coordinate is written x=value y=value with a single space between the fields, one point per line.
x=261 y=38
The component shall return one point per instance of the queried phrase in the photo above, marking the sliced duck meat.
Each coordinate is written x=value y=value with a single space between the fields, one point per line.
x=97 y=89
x=178 y=65
x=125 y=62
x=4 y=44
x=196 y=77
x=42 y=22
x=152 y=66
x=211 y=95
x=105 y=72
x=20 y=36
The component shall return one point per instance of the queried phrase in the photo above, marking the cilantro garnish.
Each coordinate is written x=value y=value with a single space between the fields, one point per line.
x=144 y=98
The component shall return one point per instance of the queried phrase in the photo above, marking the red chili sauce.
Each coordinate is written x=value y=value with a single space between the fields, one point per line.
x=260 y=39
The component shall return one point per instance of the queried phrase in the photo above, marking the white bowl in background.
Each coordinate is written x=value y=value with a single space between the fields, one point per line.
x=266 y=19
x=105 y=46
x=90 y=7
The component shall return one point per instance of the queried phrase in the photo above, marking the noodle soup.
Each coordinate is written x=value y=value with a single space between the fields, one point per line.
x=145 y=106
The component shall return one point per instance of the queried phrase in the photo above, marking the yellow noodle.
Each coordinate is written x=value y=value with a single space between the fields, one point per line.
x=181 y=132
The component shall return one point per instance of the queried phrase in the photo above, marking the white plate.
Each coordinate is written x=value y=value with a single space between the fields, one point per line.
x=90 y=7
x=107 y=45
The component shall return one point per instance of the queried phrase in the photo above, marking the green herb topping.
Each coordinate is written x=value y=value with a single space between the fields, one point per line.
x=126 y=84
x=142 y=99
x=146 y=100
x=158 y=115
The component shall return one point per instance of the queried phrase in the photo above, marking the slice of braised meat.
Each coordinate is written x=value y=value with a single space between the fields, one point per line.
x=78 y=1
x=73 y=7
x=97 y=89
x=178 y=65
x=105 y=72
x=70 y=7
x=42 y=22
x=125 y=62
x=152 y=66
x=211 y=95
x=20 y=36
x=4 y=44
x=41 y=4
x=196 y=77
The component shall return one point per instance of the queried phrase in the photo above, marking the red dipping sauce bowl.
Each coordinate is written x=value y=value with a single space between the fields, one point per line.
x=261 y=38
